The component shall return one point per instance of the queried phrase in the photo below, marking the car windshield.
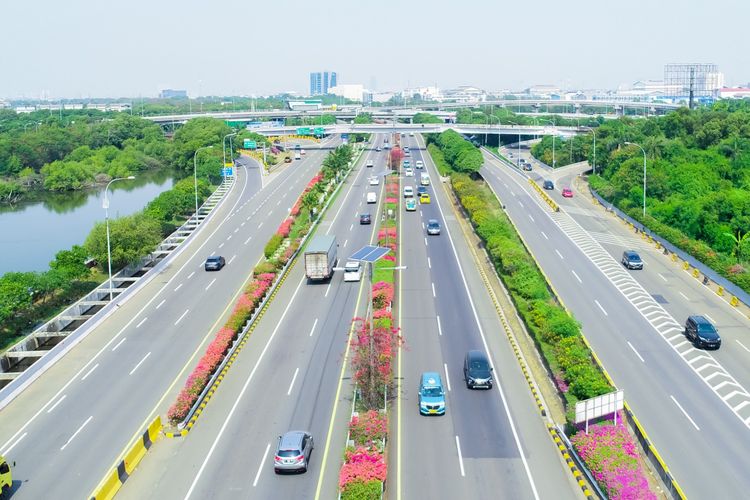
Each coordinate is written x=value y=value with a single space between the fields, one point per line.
x=634 y=257
x=479 y=366
x=706 y=328
x=433 y=224
x=432 y=392
x=288 y=453
x=213 y=259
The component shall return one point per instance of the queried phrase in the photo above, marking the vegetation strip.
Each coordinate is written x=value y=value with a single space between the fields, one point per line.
x=555 y=332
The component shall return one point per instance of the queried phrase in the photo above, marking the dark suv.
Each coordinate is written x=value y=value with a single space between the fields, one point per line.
x=477 y=370
x=548 y=184
x=215 y=263
x=631 y=259
x=702 y=333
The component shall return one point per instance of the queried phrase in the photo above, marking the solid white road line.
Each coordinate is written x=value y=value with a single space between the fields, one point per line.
x=545 y=236
x=600 y=307
x=260 y=467
x=743 y=345
x=90 y=371
x=248 y=240
x=230 y=260
x=14 y=444
x=558 y=253
x=140 y=323
x=139 y=363
x=182 y=316
x=237 y=401
x=178 y=287
x=191 y=274
x=574 y=274
x=685 y=413
x=292 y=382
x=433 y=290
x=328 y=288
x=58 y=402
x=161 y=303
x=447 y=378
x=440 y=328
x=76 y=432
x=120 y=342
x=460 y=458
x=636 y=352
x=209 y=285
x=313 y=327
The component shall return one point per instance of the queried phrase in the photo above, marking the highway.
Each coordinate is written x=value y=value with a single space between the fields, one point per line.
x=68 y=429
x=287 y=377
x=684 y=397
x=489 y=444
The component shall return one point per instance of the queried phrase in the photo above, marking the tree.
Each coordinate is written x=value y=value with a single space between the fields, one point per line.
x=71 y=264
x=131 y=238
x=739 y=241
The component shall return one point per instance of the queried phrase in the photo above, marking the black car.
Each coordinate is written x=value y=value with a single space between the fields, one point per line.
x=215 y=263
x=365 y=219
x=631 y=259
x=477 y=370
x=527 y=167
x=702 y=332
x=548 y=184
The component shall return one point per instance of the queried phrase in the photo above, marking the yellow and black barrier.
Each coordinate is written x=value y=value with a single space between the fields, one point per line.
x=577 y=474
x=114 y=480
x=552 y=204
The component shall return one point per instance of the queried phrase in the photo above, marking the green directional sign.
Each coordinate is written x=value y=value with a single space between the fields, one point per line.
x=250 y=144
x=319 y=131
x=303 y=131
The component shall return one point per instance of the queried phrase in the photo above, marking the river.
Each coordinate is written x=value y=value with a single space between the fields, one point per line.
x=32 y=232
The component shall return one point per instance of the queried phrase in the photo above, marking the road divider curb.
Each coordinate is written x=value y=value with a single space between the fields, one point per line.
x=552 y=204
x=112 y=483
x=577 y=474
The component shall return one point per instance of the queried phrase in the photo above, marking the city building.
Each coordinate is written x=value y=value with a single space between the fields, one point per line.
x=348 y=91
x=734 y=93
x=173 y=94
x=321 y=81
x=305 y=105
x=423 y=93
x=465 y=93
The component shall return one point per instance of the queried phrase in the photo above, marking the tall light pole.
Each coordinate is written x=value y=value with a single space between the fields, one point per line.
x=644 y=173
x=105 y=205
x=518 y=160
x=593 y=131
x=195 y=177
x=224 y=148
x=554 y=133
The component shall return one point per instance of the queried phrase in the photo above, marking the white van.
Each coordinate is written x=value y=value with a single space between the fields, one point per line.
x=372 y=197
x=424 y=179
x=420 y=164
x=353 y=271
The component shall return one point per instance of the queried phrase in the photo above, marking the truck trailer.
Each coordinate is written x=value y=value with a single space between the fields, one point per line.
x=320 y=257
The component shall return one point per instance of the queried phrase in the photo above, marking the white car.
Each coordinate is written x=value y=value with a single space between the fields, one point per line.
x=369 y=164
x=372 y=197
x=408 y=172
x=408 y=192
x=420 y=164
x=374 y=180
x=353 y=271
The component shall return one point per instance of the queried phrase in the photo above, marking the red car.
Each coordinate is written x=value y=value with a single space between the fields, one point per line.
x=567 y=193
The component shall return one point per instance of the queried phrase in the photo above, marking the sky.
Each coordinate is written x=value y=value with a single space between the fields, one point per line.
x=92 y=48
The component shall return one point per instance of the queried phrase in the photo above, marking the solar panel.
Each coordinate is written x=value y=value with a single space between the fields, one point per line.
x=369 y=253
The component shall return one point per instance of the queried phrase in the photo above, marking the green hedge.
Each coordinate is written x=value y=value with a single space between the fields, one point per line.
x=359 y=490
x=273 y=244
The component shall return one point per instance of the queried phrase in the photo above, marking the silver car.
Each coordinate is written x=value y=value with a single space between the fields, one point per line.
x=293 y=452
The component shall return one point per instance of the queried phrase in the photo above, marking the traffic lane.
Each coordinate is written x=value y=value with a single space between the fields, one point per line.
x=634 y=327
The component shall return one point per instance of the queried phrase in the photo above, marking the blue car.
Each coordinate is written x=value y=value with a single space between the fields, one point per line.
x=431 y=394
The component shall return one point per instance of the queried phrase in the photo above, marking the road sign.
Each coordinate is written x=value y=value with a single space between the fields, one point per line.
x=344 y=136
x=250 y=144
x=319 y=131
x=303 y=131
x=227 y=171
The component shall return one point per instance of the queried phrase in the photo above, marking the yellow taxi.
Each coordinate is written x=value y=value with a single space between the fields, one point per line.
x=424 y=198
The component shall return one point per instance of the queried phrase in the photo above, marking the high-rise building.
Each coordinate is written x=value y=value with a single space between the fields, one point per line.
x=320 y=82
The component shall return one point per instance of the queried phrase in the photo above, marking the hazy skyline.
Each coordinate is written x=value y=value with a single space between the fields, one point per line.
x=88 y=48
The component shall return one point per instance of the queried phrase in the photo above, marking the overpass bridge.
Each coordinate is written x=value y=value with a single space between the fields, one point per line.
x=425 y=128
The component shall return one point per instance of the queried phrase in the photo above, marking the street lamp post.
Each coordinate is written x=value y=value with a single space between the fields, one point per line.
x=224 y=148
x=593 y=131
x=195 y=177
x=105 y=205
x=518 y=160
x=644 y=173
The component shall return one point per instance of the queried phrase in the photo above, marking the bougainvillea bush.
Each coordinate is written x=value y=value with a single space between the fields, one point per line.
x=369 y=428
x=362 y=464
x=372 y=361
x=611 y=455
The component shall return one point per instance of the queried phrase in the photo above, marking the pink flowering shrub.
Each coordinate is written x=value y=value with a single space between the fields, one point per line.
x=285 y=227
x=561 y=384
x=372 y=356
x=391 y=200
x=389 y=231
x=363 y=465
x=243 y=309
x=198 y=379
x=382 y=295
x=610 y=453
x=294 y=212
x=369 y=428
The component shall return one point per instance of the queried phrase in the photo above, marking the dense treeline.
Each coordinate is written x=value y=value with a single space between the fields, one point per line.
x=460 y=154
x=697 y=179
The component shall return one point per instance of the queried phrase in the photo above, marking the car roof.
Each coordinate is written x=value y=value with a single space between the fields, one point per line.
x=700 y=319
x=291 y=440
x=631 y=253
x=431 y=379
x=214 y=257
